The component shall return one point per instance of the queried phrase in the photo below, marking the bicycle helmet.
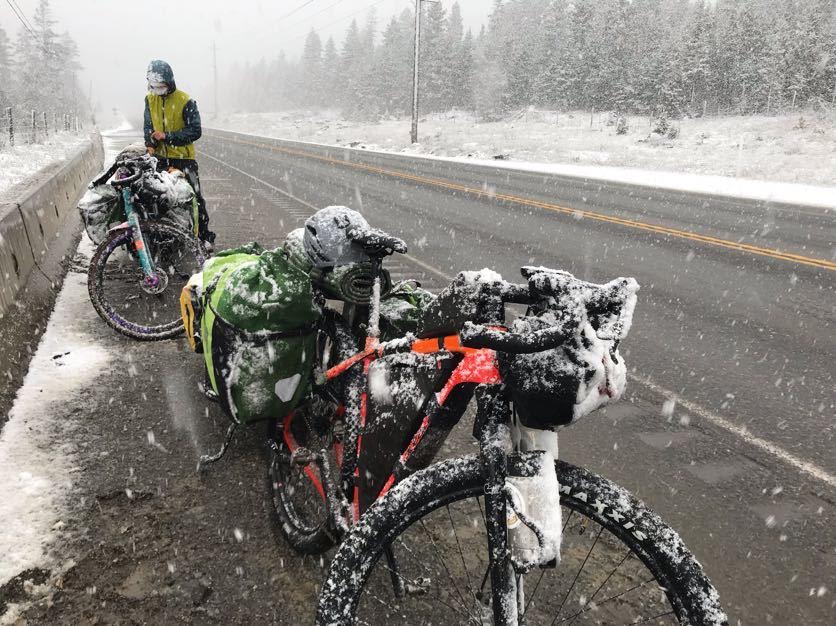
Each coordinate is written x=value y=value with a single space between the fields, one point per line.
x=326 y=240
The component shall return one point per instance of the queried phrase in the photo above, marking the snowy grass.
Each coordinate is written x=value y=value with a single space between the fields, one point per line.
x=794 y=148
x=21 y=161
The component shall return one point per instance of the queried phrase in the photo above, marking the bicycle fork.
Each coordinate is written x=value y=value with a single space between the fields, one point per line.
x=152 y=281
x=492 y=417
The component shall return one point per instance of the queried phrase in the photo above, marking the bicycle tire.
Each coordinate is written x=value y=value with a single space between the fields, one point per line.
x=304 y=530
x=693 y=598
x=96 y=281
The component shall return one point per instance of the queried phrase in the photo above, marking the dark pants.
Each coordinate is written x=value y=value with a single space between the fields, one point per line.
x=189 y=168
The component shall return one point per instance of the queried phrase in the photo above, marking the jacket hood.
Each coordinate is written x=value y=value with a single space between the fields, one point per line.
x=160 y=72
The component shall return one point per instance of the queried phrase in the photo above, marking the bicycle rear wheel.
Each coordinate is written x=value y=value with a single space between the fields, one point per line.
x=299 y=492
x=620 y=563
x=114 y=281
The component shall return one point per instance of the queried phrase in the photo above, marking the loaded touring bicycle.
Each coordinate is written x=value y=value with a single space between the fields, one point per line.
x=366 y=456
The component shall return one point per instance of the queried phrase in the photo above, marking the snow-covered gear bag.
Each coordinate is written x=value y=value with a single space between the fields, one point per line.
x=470 y=297
x=559 y=386
x=400 y=386
x=192 y=296
x=168 y=196
x=349 y=283
x=100 y=209
x=402 y=308
x=257 y=328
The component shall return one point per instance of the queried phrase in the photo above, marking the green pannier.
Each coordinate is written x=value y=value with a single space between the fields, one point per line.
x=257 y=326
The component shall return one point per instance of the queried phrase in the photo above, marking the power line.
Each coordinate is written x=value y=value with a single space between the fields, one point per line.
x=340 y=19
x=23 y=15
x=313 y=15
x=19 y=16
x=22 y=18
x=296 y=10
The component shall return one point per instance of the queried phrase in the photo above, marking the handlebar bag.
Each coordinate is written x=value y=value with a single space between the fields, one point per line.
x=559 y=386
x=257 y=329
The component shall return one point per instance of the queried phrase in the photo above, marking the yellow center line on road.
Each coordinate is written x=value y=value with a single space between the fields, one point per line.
x=580 y=213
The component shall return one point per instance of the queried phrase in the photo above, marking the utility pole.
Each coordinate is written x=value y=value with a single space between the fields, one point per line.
x=414 y=133
x=215 y=74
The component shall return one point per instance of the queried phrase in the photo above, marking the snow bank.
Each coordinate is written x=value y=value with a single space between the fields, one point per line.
x=732 y=155
x=20 y=162
x=36 y=462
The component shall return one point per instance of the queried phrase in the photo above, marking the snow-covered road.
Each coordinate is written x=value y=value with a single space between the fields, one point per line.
x=154 y=542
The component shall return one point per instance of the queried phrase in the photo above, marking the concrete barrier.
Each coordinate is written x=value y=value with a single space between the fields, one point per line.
x=16 y=258
x=32 y=225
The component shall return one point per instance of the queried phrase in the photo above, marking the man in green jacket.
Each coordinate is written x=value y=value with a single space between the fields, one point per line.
x=172 y=125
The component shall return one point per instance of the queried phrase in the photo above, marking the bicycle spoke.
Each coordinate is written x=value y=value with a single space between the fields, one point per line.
x=574 y=582
x=610 y=599
x=534 y=593
x=415 y=581
x=644 y=621
x=461 y=554
x=568 y=517
x=584 y=608
x=446 y=569
x=417 y=559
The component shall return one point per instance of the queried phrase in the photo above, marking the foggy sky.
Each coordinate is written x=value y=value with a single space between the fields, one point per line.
x=117 y=38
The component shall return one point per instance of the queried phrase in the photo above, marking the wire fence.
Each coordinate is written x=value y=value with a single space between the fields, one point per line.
x=20 y=126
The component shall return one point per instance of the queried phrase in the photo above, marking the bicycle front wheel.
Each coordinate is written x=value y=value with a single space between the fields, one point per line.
x=115 y=281
x=620 y=563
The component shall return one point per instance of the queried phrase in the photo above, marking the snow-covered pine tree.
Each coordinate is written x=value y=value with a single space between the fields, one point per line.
x=392 y=74
x=436 y=59
x=311 y=74
x=5 y=71
x=330 y=74
x=351 y=69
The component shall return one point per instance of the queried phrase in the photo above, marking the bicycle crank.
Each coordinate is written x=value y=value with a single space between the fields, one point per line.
x=302 y=456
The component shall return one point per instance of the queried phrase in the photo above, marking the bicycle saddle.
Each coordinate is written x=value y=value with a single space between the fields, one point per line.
x=376 y=243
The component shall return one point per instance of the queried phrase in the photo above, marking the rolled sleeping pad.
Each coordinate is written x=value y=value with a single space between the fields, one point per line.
x=351 y=283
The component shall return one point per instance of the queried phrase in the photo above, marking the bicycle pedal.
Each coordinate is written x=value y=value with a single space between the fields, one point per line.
x=303 y=456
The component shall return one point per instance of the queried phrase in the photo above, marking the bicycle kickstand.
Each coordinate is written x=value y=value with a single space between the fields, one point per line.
x=207 y=459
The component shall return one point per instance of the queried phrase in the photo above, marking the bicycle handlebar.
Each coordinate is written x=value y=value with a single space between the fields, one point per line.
x=478 y=336
x=126 y=181
x=511 y=293
x=608 y=307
